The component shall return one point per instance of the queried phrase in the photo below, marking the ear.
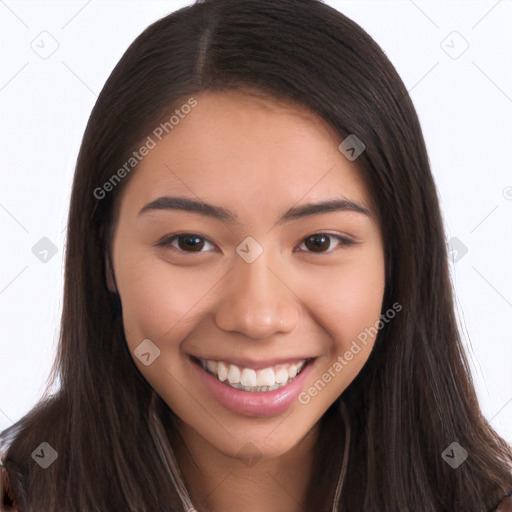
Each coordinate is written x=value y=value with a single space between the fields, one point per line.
x=109 y=273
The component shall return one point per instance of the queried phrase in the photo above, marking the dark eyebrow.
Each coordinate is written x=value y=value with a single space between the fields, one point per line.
x=224 y=215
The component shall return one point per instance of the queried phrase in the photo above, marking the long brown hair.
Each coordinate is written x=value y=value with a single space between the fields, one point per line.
x=412 y=399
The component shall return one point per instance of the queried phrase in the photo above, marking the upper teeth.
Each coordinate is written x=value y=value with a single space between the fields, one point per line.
x=266 y=379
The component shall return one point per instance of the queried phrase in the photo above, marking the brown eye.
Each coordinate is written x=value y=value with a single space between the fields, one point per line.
x=195 y=243
x=318 y=243
x=188 y=242
x=321 y=242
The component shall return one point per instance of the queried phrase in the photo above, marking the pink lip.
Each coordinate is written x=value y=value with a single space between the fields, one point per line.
x=254 y=404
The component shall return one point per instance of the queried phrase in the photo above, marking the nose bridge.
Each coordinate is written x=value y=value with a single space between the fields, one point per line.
x=257 y=303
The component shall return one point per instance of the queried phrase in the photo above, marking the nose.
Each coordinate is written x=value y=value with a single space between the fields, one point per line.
x=257 y=302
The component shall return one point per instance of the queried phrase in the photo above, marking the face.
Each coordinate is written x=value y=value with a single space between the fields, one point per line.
x=244 y=315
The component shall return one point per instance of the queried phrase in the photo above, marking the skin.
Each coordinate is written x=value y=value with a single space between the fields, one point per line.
x=257 y=158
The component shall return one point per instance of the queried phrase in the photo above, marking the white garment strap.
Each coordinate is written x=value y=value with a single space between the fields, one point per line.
x=344 y=462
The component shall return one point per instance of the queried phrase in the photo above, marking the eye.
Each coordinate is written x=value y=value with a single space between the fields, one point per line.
x=188 y=242
x=192 y=242
x=320 y=242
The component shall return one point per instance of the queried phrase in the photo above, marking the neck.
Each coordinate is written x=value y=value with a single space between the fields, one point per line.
x=299 y=480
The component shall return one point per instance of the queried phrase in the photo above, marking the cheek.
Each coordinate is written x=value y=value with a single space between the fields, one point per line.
x=348 y=302
x=159 y=300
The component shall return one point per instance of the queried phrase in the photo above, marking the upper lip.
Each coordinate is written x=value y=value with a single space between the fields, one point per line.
x=253 y=363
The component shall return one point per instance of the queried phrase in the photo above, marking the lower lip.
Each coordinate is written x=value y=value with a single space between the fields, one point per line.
x=267 y=403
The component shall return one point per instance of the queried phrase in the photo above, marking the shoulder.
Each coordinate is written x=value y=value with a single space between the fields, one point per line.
x=505 y=505
x=8 y=504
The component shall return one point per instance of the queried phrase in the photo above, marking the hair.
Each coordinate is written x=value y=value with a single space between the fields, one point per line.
x=415 y=394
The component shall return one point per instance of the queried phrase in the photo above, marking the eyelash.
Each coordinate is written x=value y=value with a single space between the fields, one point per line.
x=166 y=242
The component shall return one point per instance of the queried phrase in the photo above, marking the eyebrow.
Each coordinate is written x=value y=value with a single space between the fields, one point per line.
x=225 y=215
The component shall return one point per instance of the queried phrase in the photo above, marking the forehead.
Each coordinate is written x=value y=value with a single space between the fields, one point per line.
x=241 y=148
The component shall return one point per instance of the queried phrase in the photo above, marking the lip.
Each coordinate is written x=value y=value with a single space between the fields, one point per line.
x=247 y=403
x=252 y=363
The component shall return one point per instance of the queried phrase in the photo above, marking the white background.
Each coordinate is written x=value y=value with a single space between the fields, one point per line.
x=464 y=105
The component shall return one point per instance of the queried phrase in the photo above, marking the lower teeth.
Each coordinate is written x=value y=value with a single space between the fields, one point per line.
x=257 y=388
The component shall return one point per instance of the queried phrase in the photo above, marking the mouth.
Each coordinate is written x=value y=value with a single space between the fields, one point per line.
x=254 y=379
x=254 y=388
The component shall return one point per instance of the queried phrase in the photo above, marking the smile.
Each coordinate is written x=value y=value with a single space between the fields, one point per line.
x=249 y=379
x=254 y=388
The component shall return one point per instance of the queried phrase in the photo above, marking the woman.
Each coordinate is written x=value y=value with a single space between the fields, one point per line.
x=257 y=307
